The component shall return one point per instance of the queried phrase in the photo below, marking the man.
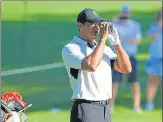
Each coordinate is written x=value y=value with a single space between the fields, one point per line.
x=154 y=63
x=130 y=35
x=88 y=64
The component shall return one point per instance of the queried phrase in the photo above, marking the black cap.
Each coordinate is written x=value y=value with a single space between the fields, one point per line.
x=89 y=15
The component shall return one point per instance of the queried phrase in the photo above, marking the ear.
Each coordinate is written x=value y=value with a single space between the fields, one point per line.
x=80 y=25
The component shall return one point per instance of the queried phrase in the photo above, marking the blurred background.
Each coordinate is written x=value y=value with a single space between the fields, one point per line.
x=33 y=34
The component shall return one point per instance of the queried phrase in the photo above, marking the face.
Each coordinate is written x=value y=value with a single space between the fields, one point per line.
x=159 y=18
x=90 y=31
x=124 y=15
x=160 y=21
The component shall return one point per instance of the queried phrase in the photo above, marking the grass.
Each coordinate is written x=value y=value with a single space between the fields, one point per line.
x=75 y=6
x=39 y=39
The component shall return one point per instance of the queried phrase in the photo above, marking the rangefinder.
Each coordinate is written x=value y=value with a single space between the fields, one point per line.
x=110 y=26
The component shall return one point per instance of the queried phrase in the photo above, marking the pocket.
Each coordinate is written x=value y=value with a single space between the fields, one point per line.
x=92 y=112
x=80 y=112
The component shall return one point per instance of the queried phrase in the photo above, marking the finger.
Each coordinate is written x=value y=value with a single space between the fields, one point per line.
x=110 y=26
x=103 y=27
x=107 y=27
x=103 y=24
x=109 y=23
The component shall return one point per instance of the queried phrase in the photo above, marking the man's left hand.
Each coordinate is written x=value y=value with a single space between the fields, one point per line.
x=113 y=37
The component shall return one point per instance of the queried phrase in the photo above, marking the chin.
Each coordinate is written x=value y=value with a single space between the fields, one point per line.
x=94 y=37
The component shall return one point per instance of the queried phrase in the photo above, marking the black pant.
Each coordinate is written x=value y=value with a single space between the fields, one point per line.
x=83 y=111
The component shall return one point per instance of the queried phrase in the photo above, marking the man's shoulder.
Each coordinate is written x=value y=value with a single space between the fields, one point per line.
x=72 y=45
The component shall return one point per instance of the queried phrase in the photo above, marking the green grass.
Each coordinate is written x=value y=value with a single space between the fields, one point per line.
x=69 y=7
x=75 y=6
x=39 y=39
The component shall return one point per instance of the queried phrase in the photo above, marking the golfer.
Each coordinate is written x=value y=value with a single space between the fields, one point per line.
x=89 y=64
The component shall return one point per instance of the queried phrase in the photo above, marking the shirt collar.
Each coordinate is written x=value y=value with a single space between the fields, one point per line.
x=83 y=42
x=80 y=41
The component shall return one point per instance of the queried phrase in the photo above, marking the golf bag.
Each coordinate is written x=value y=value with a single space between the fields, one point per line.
x=13 y=107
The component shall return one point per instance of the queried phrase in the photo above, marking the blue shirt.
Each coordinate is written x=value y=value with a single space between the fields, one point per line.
x=155 y=49
x=129 y=31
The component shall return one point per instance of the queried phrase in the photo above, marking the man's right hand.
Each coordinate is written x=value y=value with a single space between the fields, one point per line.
x=91 y=62
x=104 y=30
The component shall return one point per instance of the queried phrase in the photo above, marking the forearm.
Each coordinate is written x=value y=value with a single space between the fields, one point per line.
x=123 y=60
x=91 y=62
x=95 y=57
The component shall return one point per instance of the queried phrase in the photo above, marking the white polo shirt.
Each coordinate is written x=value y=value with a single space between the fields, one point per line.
x=88 y=85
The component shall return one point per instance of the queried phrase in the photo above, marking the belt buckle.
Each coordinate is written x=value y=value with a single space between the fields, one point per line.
x=100 y=102
x=103 y=102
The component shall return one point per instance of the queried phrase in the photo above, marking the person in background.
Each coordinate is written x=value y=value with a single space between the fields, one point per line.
x=130 y=34
x=154 y=63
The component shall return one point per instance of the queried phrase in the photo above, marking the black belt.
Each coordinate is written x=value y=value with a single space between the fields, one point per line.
x=101 y=102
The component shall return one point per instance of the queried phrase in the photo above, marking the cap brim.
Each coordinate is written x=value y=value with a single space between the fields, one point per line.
x=93 y=20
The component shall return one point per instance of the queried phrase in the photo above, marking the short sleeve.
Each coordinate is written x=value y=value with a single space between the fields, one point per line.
x=72 y=57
